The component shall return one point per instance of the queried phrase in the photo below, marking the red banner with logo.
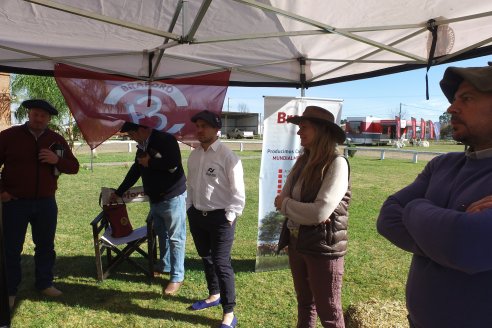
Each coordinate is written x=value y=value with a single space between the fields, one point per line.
x=398 y=127
x=414 y=128
x=431 y=130
x=422 y=129
x=101 y=103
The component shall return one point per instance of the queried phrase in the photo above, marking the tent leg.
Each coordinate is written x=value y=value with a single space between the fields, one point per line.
x=4 y=295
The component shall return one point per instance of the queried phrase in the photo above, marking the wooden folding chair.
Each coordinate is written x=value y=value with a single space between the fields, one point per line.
x=122 y=248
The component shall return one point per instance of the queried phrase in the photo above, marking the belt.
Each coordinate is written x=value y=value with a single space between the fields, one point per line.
x=205 y=213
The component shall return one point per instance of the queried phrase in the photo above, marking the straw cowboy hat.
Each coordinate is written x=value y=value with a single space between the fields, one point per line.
x=320 y=115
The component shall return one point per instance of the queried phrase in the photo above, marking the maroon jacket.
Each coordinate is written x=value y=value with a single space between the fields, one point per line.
x=23 y=175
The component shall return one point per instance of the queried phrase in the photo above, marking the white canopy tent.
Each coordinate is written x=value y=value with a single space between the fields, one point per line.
x=281 y=43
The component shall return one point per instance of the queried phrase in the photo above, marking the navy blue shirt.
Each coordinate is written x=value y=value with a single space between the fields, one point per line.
x=450 y=278
x=164 y=178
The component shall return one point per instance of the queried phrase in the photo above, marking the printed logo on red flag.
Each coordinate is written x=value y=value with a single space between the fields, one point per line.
x=101 y=103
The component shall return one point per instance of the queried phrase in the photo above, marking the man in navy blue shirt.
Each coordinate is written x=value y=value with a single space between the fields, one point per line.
x=158 y=163
x=444 y=218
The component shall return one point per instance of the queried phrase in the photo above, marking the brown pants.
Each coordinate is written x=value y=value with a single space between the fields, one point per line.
x=318 y=285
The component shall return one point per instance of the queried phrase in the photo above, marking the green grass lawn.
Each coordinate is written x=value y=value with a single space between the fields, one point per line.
x=374 y=269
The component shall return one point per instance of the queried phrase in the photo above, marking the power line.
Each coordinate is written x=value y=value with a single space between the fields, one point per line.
x=426 y=108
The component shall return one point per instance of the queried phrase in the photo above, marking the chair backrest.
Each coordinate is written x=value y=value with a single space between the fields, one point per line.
x=123 y=247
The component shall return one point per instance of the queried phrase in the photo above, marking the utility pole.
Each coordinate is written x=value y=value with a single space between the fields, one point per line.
x=400 y=112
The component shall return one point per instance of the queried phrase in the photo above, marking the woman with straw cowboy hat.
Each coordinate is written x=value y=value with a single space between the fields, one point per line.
x=315 y=201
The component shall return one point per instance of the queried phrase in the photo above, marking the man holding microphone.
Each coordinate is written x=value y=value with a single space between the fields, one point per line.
x=27 y=191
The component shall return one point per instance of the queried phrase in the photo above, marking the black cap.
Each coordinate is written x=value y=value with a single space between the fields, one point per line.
x=129 y=126
x=41 y=104
x=209 y=117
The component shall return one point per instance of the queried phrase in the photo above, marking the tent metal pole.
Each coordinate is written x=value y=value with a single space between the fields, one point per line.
x=166 y=44
x=184 y=12
x=4 y=295
x=302 y=75
x=190 y=34
x=103 y=18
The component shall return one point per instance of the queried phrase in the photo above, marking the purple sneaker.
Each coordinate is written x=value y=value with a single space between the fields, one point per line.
x=202 y=305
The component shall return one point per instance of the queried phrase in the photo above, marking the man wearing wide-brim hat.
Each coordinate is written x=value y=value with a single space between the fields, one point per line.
x=444 y=218
x=32 y=157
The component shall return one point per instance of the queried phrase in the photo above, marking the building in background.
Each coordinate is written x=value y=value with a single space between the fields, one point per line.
x=369 y=130
x=249 y=122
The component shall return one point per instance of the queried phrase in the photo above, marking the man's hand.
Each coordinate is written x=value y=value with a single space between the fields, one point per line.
x=144 y=160
x=113 y=198
x=480 y=205
x=47 y=156
x=6 y=196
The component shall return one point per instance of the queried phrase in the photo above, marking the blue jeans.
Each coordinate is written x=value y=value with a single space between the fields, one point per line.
x=170 y=227
x=42 y=215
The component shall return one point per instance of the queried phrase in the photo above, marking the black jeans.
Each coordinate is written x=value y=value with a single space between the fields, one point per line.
x=213 y=236
x=42 y=215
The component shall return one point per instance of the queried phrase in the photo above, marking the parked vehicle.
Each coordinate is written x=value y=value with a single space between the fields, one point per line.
x=239 y=134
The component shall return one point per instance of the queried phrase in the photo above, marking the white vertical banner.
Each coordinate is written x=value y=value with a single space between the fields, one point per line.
x=281 y=147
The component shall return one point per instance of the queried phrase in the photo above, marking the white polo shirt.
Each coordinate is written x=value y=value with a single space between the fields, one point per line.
x=215 y=180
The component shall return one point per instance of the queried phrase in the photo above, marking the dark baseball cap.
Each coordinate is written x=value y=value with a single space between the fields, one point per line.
x=129 y=126
x=479 y=77
x=41 y=104
x=209 y=117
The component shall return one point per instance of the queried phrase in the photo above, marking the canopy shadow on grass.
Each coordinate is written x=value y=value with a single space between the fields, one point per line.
x=83 y=266
x=116 y=301
x=76 y=277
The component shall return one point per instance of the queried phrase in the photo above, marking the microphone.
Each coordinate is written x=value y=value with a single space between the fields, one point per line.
x=58 y=149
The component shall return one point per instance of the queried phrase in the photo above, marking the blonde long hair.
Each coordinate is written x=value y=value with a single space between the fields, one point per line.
x=314 y=162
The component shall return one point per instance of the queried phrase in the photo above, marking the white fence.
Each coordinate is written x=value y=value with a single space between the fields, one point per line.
x=129 y=146
x=242 y=145
x=414 y=153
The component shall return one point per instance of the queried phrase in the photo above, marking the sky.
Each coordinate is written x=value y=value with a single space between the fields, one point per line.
x=381 y=97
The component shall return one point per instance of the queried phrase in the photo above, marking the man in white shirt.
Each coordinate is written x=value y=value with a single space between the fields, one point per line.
x=215 y=199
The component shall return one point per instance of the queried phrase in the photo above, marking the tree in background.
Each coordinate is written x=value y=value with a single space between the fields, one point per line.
x=41 y=87
x=242 y=108
x=446 y=128
x=445 y=118
x=271 y=226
